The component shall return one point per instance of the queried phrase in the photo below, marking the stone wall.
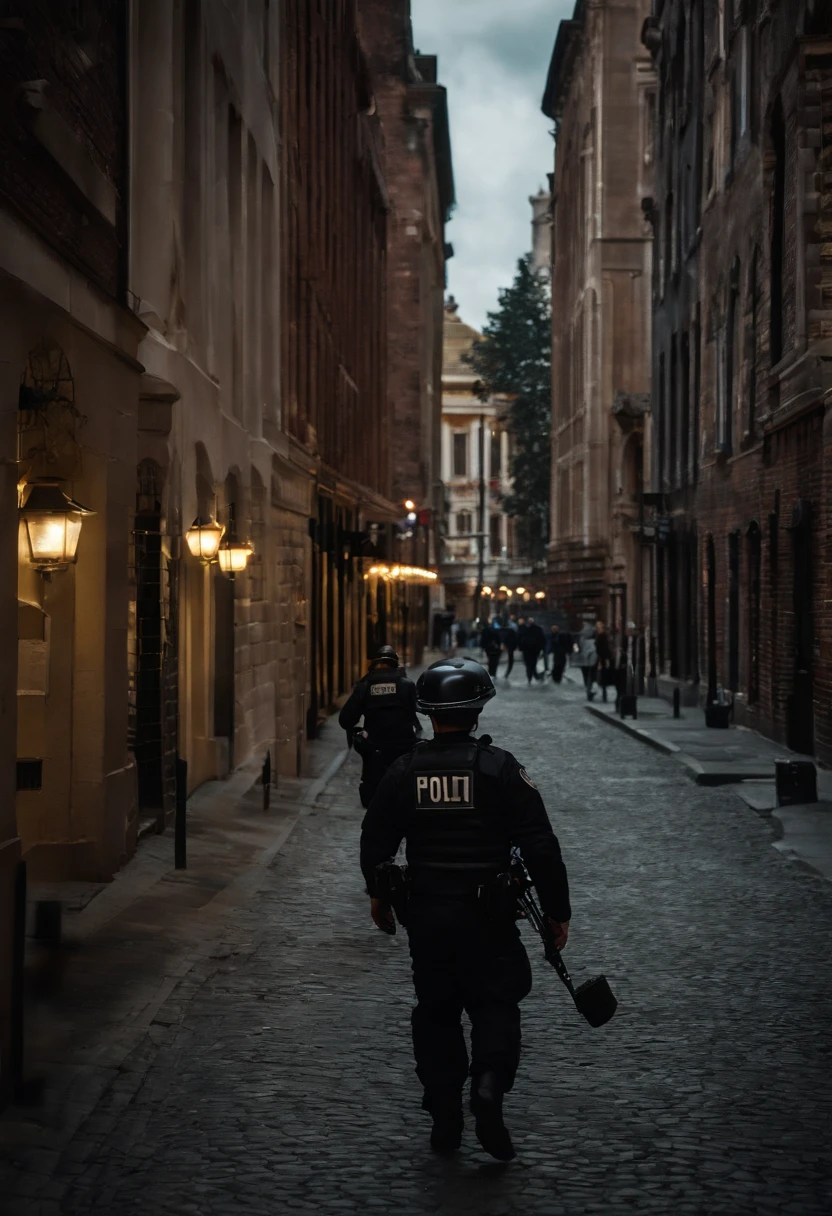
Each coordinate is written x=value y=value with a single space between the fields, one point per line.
x=599 y=94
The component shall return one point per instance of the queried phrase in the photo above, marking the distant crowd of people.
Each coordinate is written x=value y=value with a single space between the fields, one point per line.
x=602 y=666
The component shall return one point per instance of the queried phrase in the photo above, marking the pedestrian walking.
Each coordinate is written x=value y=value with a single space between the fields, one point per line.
x=587 y=658
x=492 y=646
x=510 y=639
x=461 y=804
x=532 y=645
x=603 y=652
x=386 y=699
x=559 y=646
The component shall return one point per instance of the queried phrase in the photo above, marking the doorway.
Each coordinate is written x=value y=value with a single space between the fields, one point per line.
x=800 y=724
x=710 y=586
x=734 y=611
x=154 y=716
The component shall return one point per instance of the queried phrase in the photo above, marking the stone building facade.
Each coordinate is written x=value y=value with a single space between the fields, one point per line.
x=599 y=92
x=541 y=205
x=69 y=384
x=476 y=455
x=742 y=374
x=194 y=233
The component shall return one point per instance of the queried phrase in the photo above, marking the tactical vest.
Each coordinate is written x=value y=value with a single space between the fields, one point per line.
x=387 y=706
x=455 y=824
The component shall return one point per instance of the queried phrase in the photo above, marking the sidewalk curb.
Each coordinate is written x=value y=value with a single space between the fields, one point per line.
x=319 y=785
x=636 y=732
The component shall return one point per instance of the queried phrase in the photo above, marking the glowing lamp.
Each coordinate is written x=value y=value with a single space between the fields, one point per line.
x=409 y=505
x=540 y=595
x=53 y=525
x=521 y=590
x=486 y=591
x=203 y=537
x=233 y=553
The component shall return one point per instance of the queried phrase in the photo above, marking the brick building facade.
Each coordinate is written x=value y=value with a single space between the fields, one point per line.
x=599 y=94
x=412 y=107
x=742 y=367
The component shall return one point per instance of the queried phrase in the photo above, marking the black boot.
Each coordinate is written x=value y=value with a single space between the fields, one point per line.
x=446 y=1110
x=487 y=1109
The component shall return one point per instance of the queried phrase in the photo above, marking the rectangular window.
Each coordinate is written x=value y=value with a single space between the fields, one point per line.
x=578 y=500
x=564 y=522
x=661 y=428
x=673 y=419
x=496 y=454
x=495 y=538
x=463 y=523
x=684 y=422
x=721 y=387
x=460 y=453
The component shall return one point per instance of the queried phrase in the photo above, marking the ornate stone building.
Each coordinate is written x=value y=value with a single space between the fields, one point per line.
x=599 y=93
x=742 y=369
x=480 y=537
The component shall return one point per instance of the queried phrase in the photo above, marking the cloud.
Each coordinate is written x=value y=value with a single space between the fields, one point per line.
x=493 y=58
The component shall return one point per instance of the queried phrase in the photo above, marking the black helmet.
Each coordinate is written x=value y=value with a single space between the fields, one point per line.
x=386 y=655
x=454 y=684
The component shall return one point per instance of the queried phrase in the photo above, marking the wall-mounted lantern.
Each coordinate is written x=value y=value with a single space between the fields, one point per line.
x=233 y=553
x=53 y=525
x=203 y=538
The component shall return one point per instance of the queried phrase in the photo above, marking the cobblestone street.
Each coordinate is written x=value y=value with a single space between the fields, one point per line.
x=278 y=1077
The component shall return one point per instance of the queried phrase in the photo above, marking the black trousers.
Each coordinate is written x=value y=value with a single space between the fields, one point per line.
x=493 y=663
x=510 y=654
x=462 y=961
x=375 y=765
x=589 y=674
x=558 y=666
x=530 y=659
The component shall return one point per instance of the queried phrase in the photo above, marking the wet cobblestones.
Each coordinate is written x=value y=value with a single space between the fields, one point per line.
x=281 y=1079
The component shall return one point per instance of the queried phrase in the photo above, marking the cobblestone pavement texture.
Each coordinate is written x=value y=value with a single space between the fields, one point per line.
x=278 y=1077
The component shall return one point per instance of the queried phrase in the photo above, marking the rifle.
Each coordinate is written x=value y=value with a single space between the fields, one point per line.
x=594 y=998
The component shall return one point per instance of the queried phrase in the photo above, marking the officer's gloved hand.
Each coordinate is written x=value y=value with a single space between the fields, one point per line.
x=561 y=932
x=382 y=915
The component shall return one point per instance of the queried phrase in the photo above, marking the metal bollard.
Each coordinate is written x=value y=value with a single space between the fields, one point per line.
x=180 y=816
x=267 y=780
x=677 y=702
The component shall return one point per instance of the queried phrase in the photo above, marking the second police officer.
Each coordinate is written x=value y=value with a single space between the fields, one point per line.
x=386 y=699
x=462 y=804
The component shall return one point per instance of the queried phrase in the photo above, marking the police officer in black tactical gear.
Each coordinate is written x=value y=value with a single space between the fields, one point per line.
x=387 y=700
x=461 y=804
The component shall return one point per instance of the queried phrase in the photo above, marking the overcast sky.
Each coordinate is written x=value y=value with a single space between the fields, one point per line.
x=493 y=59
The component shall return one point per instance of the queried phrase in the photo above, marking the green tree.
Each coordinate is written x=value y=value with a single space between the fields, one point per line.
x=514 y=358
